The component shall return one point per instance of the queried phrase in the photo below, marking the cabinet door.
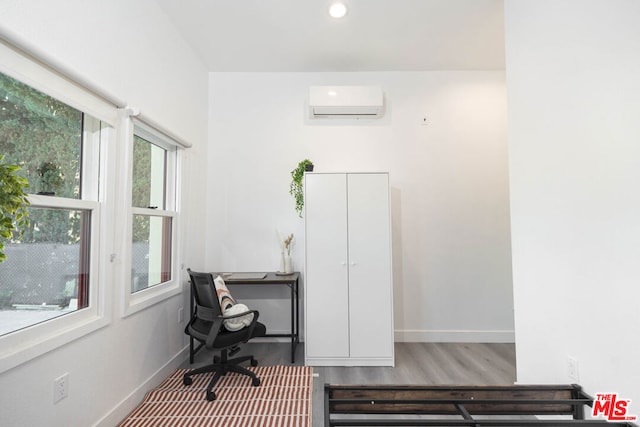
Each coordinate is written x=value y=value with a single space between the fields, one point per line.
x=326 y=287
x=370 y=297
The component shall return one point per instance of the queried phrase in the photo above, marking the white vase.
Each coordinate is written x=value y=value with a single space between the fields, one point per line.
x=282 y=263
x=288 y=267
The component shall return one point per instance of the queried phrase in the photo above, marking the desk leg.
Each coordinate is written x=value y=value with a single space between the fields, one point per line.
x=297 y=312
x=293 y=329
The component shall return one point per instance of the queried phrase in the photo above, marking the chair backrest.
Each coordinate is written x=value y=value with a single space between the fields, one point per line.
x=204 y=291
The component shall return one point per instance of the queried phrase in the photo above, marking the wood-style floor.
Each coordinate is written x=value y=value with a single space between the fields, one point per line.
x=416 y=363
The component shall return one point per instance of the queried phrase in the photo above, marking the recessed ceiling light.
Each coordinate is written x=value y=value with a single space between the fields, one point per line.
x=337 y=10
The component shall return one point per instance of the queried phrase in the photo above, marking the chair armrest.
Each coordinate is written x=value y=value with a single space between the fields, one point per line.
x=213 y=332
x=249 y=329
x=244 y=313
x=218 y=324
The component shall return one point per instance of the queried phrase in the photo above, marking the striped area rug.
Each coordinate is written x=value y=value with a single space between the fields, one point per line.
x=283 y=399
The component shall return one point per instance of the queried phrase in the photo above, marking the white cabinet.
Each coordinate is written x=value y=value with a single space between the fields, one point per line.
x=348 y=291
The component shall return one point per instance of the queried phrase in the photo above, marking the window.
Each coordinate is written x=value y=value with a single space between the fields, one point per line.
x=89 y=198
x=49 y=271
x=153 y=206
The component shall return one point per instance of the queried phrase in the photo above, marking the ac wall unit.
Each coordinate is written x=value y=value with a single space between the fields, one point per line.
x=350 y=102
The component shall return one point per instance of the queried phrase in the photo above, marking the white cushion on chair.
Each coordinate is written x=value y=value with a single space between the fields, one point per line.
x=237 y=323
x=230 y=307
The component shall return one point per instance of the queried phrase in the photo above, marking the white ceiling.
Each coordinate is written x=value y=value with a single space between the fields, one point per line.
x=376 y=35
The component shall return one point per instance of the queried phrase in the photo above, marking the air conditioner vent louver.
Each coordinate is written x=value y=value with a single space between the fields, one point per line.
x=349 y=102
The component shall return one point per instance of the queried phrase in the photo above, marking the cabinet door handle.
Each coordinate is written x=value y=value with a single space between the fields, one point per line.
x=353 y=264
x=343 y=263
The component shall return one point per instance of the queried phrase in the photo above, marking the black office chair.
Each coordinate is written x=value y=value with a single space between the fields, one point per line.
x=206 y=326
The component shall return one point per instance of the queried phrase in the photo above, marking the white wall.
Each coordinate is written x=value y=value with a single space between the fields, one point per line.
x=452 y=259
x=574 y=133
x=132 y=50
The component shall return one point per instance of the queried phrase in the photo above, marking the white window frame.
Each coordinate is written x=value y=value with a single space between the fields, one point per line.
x=135 y=302
x=25 y=344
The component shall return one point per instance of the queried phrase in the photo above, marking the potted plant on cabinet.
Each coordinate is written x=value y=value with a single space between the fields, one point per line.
x=296 y=186
x=14 y=216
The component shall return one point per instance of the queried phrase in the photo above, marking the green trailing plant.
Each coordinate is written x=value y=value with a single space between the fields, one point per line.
x=296 y=187
x=14 y=216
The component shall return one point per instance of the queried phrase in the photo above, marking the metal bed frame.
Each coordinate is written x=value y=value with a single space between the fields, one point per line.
x=411 y=405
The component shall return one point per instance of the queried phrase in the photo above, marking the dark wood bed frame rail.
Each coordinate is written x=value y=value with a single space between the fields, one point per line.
x=411 y=405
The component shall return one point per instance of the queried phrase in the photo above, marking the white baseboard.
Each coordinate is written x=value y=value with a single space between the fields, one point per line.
x=428 y=336
x=448 y=335
x=365 y=361
x=129 y=403
x=455 y=336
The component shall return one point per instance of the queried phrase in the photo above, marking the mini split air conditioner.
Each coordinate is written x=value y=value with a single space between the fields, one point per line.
x=350 y=102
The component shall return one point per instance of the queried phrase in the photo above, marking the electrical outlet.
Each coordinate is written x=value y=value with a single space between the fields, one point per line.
x=60 y=388
x=572 y=369
x=180 y=315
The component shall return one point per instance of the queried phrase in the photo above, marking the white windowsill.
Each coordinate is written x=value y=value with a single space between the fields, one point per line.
x=24 y=345
x=146 y=298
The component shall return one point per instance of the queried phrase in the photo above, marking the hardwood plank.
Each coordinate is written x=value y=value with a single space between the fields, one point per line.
x=416 y=363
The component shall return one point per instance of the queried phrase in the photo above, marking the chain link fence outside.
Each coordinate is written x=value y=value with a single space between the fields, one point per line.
x=42 y=274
